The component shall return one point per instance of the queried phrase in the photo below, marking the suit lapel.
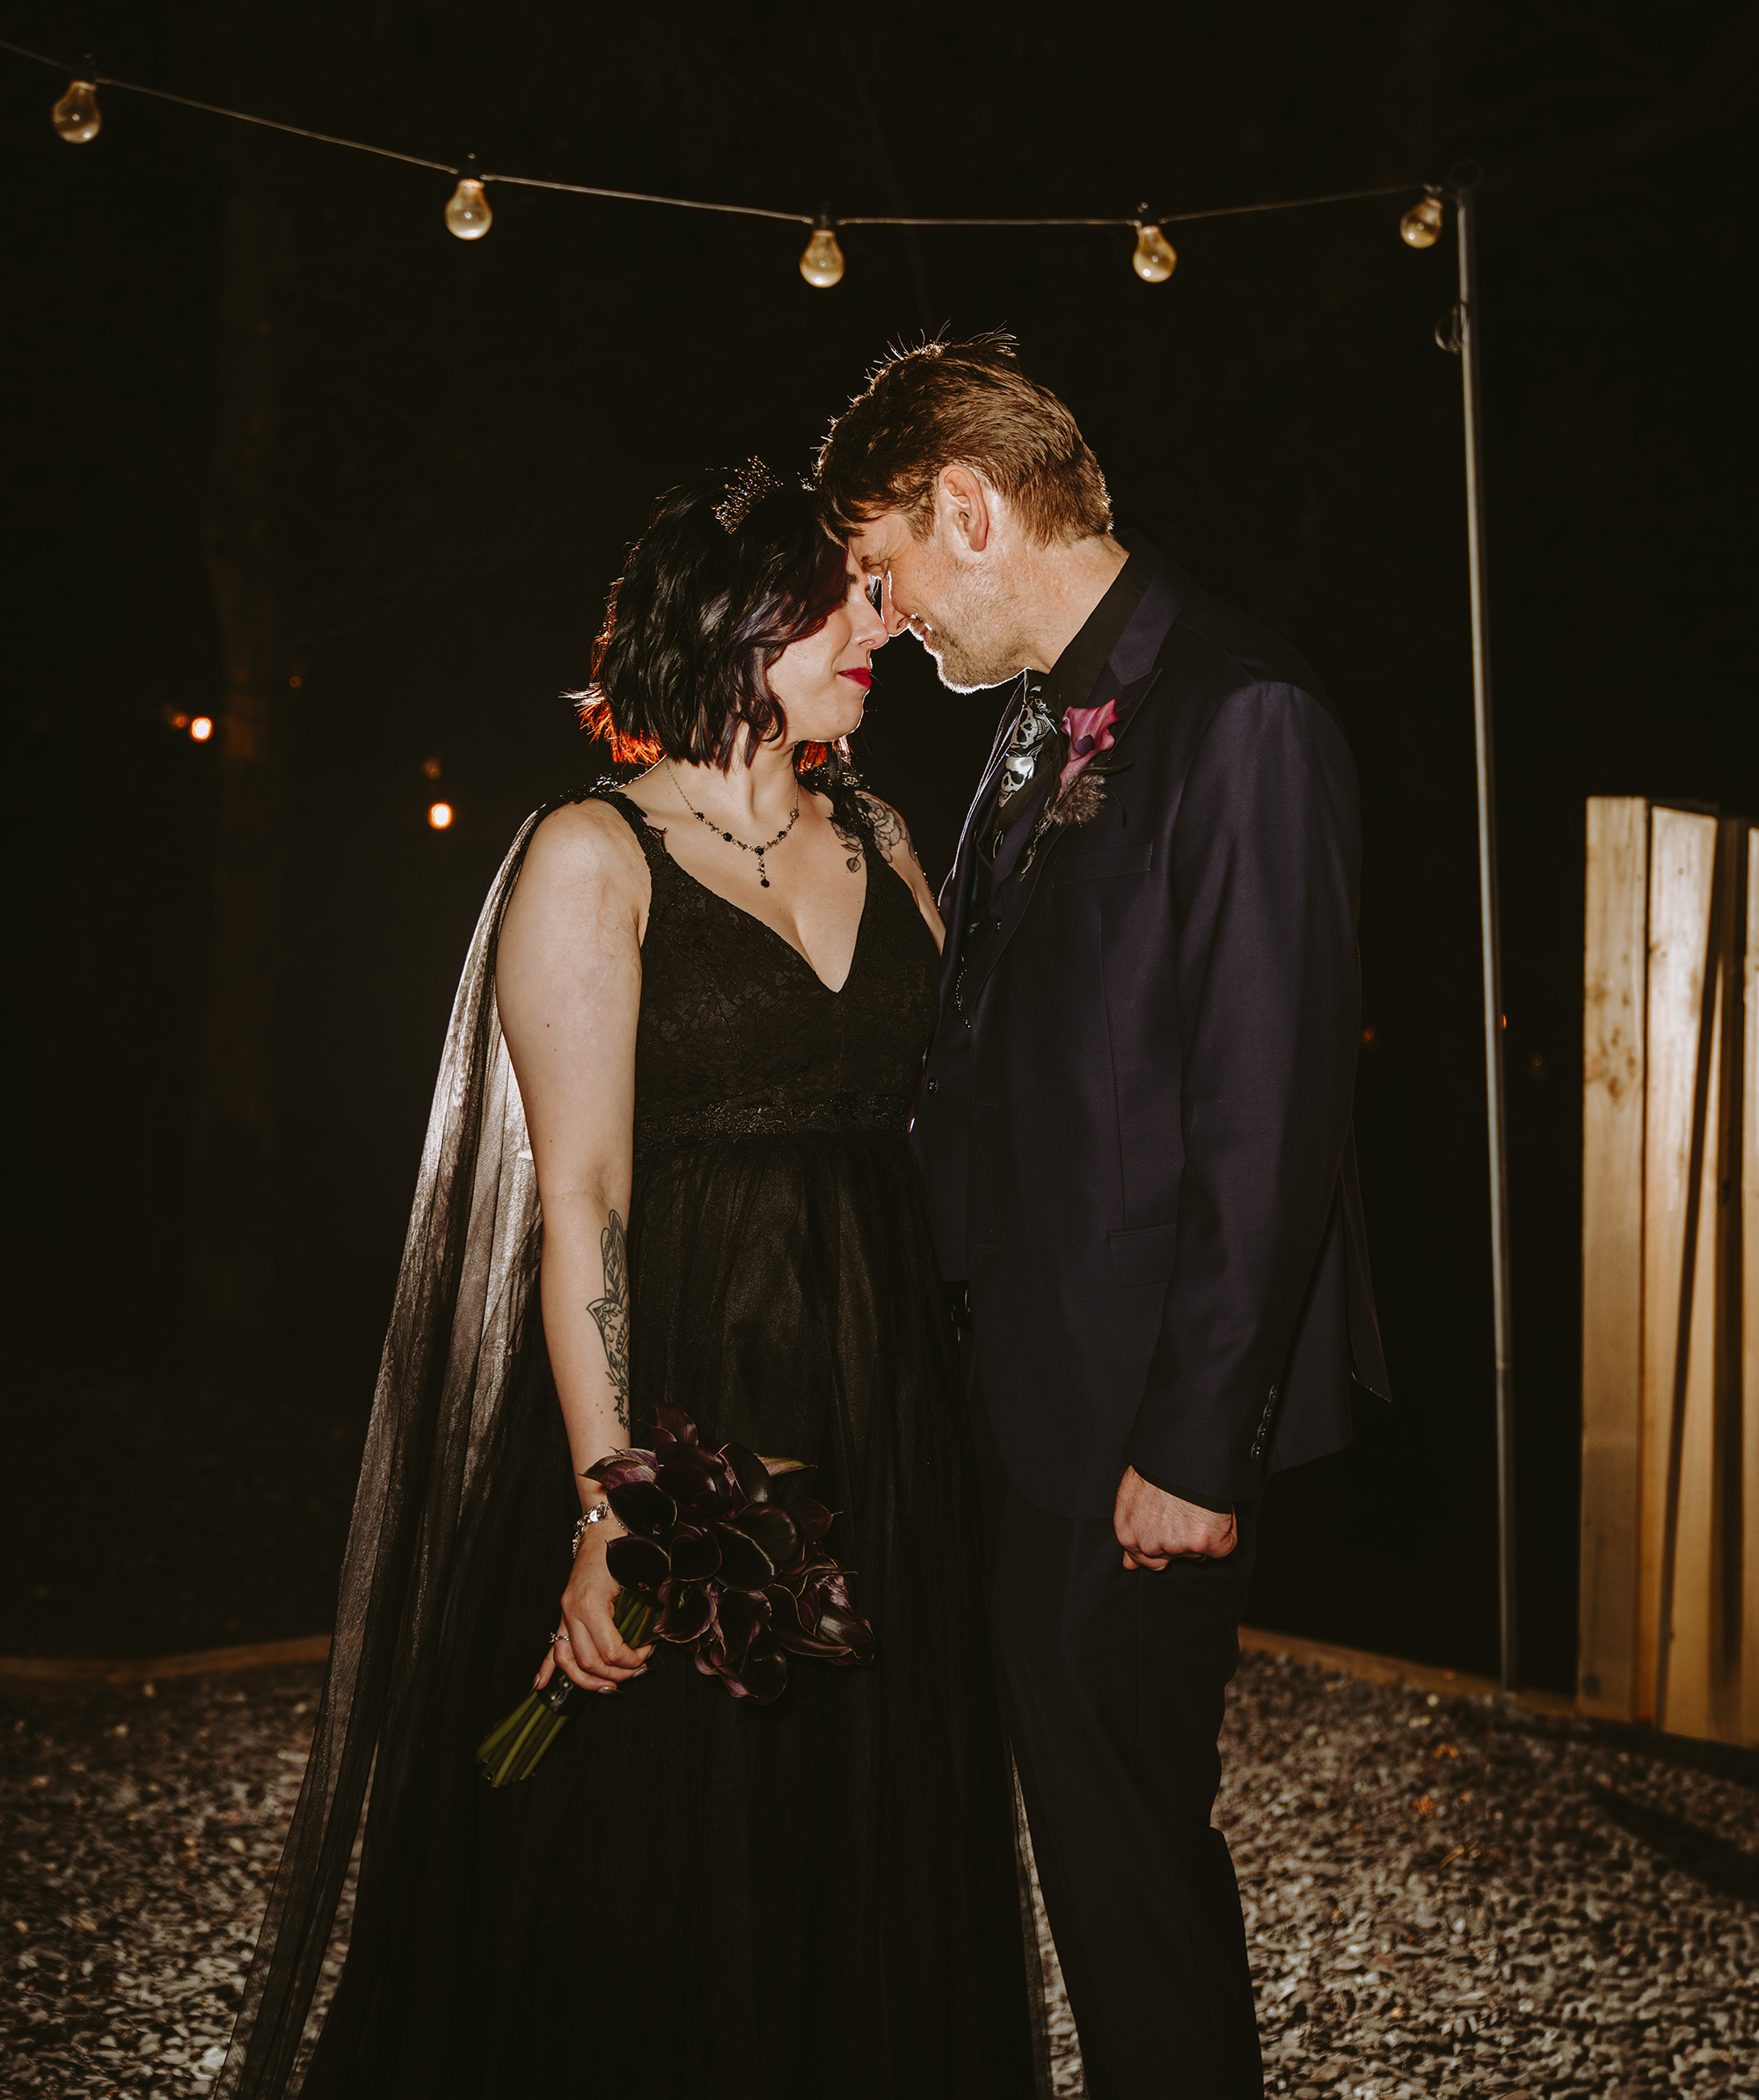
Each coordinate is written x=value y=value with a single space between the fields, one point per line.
x=958 y=887
x=1013 y=893
x=1132 y=674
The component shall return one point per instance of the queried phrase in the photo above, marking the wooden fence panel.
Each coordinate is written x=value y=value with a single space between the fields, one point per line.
x=1748 y=1557
x=1670 y=1265
x=1681 y=874
x=1616 y=942
x=1685 y=1664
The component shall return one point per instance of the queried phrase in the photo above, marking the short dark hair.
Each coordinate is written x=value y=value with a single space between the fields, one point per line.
x=702 y=610
x=968 y=403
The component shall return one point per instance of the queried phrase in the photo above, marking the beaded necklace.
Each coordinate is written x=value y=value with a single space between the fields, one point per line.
x=760 y=851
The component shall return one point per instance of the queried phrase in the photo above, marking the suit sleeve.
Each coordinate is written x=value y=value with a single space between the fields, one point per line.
x=1266 y=858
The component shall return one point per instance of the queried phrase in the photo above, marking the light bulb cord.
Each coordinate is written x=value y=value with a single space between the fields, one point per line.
x=741 y=211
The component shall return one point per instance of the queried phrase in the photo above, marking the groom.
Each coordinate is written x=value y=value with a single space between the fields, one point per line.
x=1135 y=1129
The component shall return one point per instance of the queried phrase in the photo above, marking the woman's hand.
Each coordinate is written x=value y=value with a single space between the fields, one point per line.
x=594 y=1654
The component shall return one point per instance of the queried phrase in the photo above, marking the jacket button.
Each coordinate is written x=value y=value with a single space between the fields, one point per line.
x=934 y=1086
x=996 y=924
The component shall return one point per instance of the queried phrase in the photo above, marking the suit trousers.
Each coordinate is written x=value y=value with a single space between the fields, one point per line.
x=1113 y=1681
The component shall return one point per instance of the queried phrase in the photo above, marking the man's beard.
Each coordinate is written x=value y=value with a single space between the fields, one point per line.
x=984 y=648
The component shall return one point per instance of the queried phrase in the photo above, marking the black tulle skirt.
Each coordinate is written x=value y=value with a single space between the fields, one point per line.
x=694 y=1895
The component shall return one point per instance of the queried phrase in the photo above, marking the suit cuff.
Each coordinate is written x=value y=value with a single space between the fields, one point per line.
x=1168 y=1487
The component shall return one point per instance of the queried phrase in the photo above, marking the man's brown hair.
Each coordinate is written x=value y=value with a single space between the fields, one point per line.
x=971 y=404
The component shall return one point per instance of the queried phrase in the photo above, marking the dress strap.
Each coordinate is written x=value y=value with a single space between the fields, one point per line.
x=653 y=836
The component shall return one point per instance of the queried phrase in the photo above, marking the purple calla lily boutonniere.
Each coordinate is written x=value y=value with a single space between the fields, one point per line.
x=1079 y=794
x=1090 y=733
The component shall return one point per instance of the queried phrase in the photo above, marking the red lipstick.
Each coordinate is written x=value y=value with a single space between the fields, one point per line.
x=864 y=679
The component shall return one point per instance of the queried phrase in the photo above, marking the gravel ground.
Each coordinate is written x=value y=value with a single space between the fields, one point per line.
x=1442 y=1899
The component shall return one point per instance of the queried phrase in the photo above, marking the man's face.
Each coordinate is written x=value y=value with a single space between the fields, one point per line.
x=950 y=597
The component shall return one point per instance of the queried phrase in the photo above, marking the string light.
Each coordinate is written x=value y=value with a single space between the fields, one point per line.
x=1156 y=258
x=76 y=116
x=467 y=210
x=1421 y=225
x=822 y=264
x=201 y=728
x=430 y=766
x=440 y=815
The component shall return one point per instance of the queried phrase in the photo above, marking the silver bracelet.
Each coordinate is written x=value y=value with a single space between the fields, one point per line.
x=596 y=1515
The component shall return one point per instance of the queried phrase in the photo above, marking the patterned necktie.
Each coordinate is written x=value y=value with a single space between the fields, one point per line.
x=1031 y=732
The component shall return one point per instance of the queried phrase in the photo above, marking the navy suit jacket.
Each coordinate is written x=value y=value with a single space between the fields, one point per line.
x=1148 y=1177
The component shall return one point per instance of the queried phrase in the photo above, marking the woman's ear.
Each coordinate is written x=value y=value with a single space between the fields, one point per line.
x=965 y=505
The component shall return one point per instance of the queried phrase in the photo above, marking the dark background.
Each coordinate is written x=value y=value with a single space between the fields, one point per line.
x=450 y=447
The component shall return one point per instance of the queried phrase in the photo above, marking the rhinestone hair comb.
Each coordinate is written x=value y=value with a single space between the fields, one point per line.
x=745 y=486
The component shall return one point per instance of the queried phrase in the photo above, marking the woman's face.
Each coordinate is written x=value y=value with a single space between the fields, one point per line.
x=822 y=682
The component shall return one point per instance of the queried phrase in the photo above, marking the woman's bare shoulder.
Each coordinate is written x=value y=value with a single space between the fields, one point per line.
x=586 y=841
x=583 y=862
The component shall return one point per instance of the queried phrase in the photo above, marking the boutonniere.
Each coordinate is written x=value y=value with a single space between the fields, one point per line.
x=1079 y=794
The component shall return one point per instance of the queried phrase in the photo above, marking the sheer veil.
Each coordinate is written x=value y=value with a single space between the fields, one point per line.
x=462 y=1294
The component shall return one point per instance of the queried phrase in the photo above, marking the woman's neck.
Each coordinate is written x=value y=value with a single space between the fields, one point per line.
x=755 y=795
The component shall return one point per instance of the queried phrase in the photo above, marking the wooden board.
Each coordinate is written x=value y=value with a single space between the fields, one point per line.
x=1615 y=944
x=1681 y=864
x=43 y=1674
x=1748 y=1587
x=1686 y=1669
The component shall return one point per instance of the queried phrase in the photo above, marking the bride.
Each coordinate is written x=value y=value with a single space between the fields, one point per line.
x=694 y=1016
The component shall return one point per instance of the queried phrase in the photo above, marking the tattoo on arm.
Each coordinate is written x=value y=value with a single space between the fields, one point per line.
x=890 y=831
x=853 y=842
x=611 y=1312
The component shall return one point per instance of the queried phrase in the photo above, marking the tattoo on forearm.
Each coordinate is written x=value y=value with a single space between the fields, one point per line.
x=889 y=829
x=611 y=1312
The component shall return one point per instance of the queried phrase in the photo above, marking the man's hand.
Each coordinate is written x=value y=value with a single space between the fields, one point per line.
x=1154 y=1528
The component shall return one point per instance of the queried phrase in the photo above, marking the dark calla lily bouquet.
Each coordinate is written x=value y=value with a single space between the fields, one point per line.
x=711 y=1560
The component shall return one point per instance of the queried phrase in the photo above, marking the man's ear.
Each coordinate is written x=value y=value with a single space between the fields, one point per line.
x=965 y=505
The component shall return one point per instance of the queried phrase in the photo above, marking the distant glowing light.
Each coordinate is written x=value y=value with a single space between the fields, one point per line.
x=178 y=721
x=201 y=728
x=440 y=815
x=430 y=766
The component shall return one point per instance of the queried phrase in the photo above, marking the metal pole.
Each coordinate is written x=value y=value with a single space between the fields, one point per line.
x=1463 y=182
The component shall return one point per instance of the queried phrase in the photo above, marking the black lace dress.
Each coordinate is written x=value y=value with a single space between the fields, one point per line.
x=694 y=1895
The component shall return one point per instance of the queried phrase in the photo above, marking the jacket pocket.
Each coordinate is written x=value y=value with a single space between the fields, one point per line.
x=1089 y=867
x=1143 y=1256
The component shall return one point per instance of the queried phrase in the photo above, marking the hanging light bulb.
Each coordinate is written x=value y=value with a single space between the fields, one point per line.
x=821 y=264
x=1156 y=258
x=467 y=209
x=440 y=815
x=76 y=116
x=1421 y=225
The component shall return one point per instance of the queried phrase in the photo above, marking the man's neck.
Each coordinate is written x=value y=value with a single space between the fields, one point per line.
x=1060 y=588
